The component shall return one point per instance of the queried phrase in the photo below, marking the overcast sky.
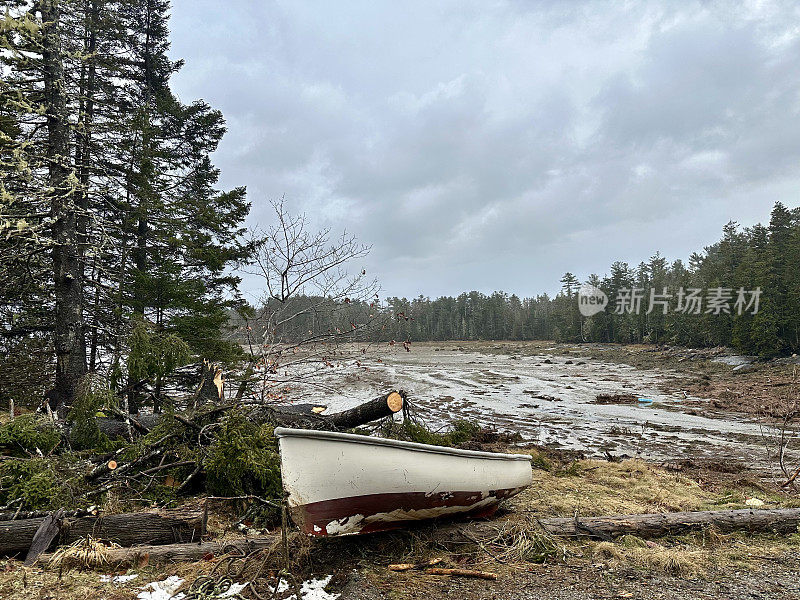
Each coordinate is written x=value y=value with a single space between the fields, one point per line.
x=496 y=145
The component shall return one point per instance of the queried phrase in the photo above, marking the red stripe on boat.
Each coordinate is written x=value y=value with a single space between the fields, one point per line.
x=315 y=517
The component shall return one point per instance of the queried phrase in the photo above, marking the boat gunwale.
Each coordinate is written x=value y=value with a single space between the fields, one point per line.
x=400 y=444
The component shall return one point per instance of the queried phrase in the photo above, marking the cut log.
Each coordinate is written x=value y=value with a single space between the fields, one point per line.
x=303 y=416
x=380 y=407
x=778 y=520
x=126 y=529
x=151 y=554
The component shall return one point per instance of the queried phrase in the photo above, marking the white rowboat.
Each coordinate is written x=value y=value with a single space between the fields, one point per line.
x=339 y=483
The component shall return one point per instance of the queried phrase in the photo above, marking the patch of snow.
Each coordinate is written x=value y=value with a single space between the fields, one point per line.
x=165 y=590
x=162 y=590
x=314 y=589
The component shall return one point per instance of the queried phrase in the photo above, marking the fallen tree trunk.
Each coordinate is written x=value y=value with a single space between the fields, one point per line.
x=150 y=554
x=304 y=416
x=37 y=514
x=778 y=520
x=301 y=416
x=117 y=429
x=126 y=529
x=380 y=407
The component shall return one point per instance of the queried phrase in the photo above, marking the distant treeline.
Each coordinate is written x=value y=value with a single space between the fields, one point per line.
x=709 y=301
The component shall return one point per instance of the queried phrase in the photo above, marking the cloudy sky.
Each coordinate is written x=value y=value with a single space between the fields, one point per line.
x=496 y=145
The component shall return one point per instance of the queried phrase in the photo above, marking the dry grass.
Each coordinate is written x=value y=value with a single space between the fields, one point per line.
x=593 y=487
x=680 y=562
x=87 y=553
x=596 y=487
x=30 y=584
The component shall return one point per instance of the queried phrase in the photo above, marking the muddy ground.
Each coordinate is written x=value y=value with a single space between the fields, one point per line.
x=695 y=404
x=701 y=438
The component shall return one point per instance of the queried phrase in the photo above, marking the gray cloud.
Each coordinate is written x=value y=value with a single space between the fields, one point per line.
x=495 y=146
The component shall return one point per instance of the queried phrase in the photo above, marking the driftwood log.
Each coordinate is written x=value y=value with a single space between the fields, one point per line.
x=778 y=520
x=125 y=529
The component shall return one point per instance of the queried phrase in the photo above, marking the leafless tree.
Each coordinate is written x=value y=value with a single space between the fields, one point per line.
x=779 y=433
x=312 y=310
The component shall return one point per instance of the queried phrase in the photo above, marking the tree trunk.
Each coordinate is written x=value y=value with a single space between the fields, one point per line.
x=380 y=407
x=298 y=415
x=303 y=416
x=782 y=520
x=779 y=520
x=70 y=346
x=83 y=158
x=126 y=529
x=169 y=553
x=211 y=386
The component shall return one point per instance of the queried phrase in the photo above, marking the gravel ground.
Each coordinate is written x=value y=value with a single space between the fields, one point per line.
x=778 y=579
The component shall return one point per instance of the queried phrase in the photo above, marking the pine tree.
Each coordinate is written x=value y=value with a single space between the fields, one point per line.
x=36 y=96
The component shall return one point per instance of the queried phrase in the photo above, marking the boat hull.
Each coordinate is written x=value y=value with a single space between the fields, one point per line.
x=340 y=484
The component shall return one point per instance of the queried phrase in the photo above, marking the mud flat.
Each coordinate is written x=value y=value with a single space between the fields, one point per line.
x=548 y=394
